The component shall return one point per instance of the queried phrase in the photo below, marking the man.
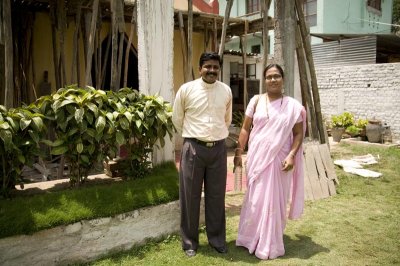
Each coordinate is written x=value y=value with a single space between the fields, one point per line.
x=202 y=114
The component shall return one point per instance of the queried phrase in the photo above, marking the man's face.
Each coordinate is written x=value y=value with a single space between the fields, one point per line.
x=209 y=71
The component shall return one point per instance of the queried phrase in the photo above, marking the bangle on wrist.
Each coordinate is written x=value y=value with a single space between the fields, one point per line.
x=292 y=154
x=240 y=149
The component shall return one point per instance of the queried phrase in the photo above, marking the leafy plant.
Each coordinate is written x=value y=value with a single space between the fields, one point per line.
x=353 y=130
x=83 y=128
x=20 y=132
x=150 y=121
x=343 y=120
x=361 y=123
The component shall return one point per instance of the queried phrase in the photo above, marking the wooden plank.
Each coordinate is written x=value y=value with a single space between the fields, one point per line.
x=308 y=193
x=328 y=164
x=323 y=179
x=312 y=173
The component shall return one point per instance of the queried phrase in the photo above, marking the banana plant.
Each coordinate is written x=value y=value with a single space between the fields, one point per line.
x=21 y=130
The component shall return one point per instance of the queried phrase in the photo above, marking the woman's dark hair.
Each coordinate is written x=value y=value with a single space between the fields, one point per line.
x=209 y=56
x=276 y=66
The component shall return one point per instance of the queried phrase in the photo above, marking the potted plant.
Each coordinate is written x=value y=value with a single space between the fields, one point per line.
x=339 y=123
x=361 y=125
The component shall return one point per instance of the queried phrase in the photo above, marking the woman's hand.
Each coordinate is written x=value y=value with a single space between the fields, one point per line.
x=288 y=163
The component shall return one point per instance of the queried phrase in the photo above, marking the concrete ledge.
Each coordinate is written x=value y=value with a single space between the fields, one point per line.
x=366 y=143
x=89 y=239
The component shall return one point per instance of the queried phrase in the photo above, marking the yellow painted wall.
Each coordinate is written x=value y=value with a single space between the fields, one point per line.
x=43 y=51
x=198 y=49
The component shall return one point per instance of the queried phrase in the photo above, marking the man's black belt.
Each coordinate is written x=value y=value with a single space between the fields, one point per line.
x=208 y=144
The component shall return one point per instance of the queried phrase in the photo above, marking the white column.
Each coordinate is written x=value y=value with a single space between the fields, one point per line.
x=155 y=57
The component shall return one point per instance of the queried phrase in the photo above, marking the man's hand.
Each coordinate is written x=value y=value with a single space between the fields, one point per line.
x=237 y=161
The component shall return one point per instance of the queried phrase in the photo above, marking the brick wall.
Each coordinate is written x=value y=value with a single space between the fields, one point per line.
x=367 y=91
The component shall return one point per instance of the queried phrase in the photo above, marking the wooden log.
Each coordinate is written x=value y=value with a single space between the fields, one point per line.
x=103 y=70
x=307 y=46
x=97 y=57
x=289 y=45
x=215 y=35
x=224 y=26
x=54 y=42
x=75 y=46
x=305 y=88
x=183 y=45
x=121 y=30
x=62 y=24
x=243 y=39
x=206 y=36
x=265 y=4
x=90 y=42
x=128 y=46
x=189 y=41
x=8 y=55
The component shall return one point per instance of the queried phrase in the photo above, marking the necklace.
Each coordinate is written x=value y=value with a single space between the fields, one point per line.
x=268 y=102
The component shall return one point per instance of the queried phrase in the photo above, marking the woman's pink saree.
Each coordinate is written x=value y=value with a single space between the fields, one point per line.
x=263 y=215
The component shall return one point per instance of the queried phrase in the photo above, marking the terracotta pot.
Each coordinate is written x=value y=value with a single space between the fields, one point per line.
x=374 y=131
x=337 y=133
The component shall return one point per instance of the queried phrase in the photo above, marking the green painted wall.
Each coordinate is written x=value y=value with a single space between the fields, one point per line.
x=333 y=16
x=353 y=16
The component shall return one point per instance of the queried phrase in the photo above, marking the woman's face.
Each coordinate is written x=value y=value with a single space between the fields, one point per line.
x=273 y=81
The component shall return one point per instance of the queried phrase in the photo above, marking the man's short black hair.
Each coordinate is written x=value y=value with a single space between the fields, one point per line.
x=209 y=56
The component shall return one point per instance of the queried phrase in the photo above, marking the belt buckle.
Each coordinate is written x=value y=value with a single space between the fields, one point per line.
x=210 y=144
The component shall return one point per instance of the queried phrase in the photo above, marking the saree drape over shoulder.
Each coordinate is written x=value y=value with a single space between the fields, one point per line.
x=263 y=215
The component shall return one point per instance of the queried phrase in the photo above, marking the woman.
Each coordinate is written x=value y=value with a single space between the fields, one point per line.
x=274 y=167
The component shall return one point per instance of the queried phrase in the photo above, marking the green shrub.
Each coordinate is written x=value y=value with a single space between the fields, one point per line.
x=21 y=129
x=343 y=120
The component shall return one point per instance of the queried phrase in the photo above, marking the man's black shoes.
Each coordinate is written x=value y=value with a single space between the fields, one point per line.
x=222 y=249
x=190 y=252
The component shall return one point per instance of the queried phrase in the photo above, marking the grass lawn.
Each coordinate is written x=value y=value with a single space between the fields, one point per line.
x=29 y=214
x=358 y=226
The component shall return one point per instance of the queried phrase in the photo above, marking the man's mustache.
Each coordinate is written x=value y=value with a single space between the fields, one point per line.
x=211 y=73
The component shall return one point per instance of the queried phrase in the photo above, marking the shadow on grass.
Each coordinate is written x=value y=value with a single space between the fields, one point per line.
x=301 y=248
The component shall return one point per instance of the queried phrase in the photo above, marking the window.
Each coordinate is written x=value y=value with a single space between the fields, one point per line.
x=375 y=4
x=251 y=71
x=252 y=6
x=310 y=12
x=256 y=49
